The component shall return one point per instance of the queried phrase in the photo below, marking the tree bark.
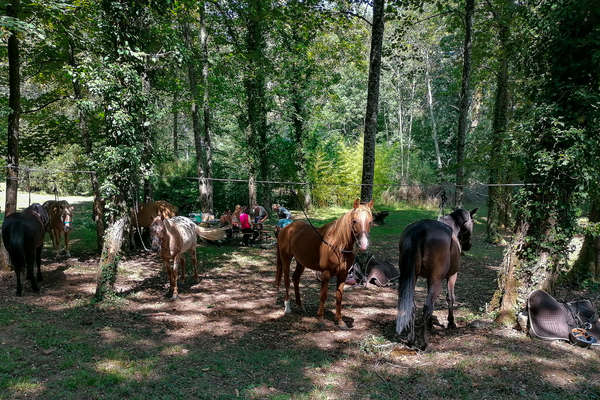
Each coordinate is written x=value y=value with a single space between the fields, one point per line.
x=255 y=85
x=206 y=192
x=368 y=170
x=175 y=125
x=588 y=262
x=197 y=125
x=436 y=145
x=499 y=125
x=109 y=261
x=14 y=116
x=464 y=105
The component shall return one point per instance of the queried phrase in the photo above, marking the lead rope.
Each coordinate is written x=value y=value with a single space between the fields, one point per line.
x=137 y=224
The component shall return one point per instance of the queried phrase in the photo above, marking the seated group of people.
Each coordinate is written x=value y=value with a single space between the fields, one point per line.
x=240 y=219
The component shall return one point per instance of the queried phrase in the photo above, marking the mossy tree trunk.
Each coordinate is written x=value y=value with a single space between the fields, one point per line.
x=109 y=260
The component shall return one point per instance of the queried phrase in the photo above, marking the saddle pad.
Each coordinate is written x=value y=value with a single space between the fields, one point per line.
x=552 y=320
x=548 y=319
x=380 y=273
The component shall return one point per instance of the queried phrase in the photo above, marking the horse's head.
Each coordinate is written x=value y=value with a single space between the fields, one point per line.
x=66 y=216
x=463 y=221
x=362 y=220
x=157 y=231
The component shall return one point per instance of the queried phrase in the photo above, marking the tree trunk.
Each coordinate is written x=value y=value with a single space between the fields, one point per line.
x=206 y=185
x=409 y=133
x=14 y=104
x=464 y=105
x=197 y=125
x=436 y=145
x=109 y=260
x=588 y=263
x=368 y=171
x=252 y=189
x=499 y=124
x=255 y=85
x=175 y=125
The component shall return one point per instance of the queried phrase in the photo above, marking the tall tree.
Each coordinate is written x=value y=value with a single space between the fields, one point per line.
x=368 y=170
x=562 y=79
x=464 y=105
x=14 y=116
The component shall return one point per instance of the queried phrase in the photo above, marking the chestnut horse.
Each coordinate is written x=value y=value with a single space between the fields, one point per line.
x=61 y=219
x=147 y=213
x=174 y=237
x=328 y=249
x=431 y=249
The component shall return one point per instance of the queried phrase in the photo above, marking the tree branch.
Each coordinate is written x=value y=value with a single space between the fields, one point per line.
x=33 y=110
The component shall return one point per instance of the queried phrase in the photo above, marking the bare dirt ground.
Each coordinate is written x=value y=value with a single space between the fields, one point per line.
x=227 y=337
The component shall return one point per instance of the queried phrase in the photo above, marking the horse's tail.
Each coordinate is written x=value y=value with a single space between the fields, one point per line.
x=15 y=246
x=406 y=289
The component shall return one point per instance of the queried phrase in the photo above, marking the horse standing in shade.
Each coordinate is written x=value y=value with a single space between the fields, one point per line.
x=431 y=249
x=328 y=249
x=61 y=218
x=147 y=213
x=174 y=237
x=23 y=236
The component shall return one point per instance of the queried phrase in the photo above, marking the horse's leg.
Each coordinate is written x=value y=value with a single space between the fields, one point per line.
x=174 y=274
x=18 y=272
x=67 y=253
x=341 y=279
x=450 y=297
x=296 y=279
x=30 y=260
x=55 y=242
x=169 y=270
x=325 y=276
x=194 y=262
x=435 y=286
x=182 y=266
x=38 y=261
x=286 y=281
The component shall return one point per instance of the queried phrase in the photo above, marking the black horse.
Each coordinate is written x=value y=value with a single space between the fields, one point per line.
x=431 y=249
x=23 y=237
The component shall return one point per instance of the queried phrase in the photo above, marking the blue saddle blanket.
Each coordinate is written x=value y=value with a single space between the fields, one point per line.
x=282 y=223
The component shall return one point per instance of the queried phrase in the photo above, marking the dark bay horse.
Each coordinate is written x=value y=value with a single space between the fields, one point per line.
x=174 y=237
x=61 y=222
x=23 y=236
x=328 y=249
x=431 y=249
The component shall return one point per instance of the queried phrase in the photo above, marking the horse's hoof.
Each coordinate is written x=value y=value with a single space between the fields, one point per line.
x=288 y=307
x=342 y=325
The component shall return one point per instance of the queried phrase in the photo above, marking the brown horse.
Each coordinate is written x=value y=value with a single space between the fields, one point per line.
x=328 y=249
x=431 y=249
x=61 y=219
x=147 y=213
x=174 y=237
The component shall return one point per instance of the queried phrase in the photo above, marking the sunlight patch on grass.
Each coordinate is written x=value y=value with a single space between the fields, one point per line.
x=25 y=385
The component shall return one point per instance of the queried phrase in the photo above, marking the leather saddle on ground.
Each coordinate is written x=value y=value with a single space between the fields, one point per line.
x=551 y=320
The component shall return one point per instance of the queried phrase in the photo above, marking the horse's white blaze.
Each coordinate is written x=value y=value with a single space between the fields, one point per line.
x=363 y=240
x=288 y=308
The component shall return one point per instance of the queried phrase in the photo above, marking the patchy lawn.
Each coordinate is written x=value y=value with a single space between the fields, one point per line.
x=227 y=337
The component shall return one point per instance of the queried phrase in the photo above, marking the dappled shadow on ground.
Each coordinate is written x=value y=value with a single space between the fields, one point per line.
x=226 y=336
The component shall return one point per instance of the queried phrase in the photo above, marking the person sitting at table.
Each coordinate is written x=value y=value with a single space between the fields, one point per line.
x=235 y=217
x=260 y=214
x=246 y=227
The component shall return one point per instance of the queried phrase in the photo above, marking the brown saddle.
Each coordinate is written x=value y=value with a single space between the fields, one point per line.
x=551 y=320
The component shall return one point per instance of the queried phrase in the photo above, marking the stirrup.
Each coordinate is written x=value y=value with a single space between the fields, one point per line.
x=581 y=337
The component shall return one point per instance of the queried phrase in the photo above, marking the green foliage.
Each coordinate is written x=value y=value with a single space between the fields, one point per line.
x=172 y=184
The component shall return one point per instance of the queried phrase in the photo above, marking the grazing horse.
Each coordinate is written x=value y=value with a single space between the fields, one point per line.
x=147 y=213
x=328 y=249
x=61 y=218
x=23 y=236
x=174 y=237
x=431 y=249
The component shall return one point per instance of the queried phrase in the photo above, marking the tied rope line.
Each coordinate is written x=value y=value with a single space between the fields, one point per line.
x=281 y=183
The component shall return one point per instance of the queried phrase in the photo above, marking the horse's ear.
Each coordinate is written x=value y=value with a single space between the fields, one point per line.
x=370 y=204
x=356 y=203
x=473 y=211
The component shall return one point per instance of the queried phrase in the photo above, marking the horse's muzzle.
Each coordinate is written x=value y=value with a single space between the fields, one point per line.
x=363 y=242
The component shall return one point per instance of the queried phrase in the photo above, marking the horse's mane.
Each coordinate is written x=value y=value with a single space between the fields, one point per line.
x=338 y=233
